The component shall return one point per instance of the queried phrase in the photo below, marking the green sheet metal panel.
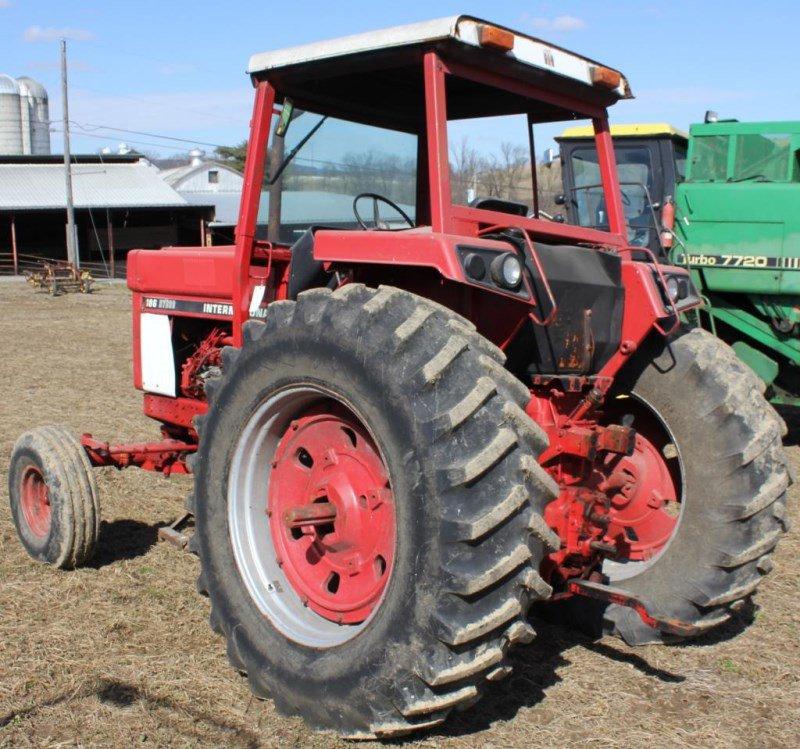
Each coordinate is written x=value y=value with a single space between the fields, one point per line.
x=739 y=208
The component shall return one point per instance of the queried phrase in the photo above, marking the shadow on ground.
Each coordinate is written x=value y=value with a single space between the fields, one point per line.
x=124 y=539
x=535 y=670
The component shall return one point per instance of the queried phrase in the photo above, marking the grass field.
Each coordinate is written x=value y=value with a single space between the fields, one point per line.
x=120 y=653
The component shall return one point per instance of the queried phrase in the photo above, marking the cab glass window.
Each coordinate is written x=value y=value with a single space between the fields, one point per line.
x=330 y=162
x=762 y=157
x=710 y=158
x=490 y=159
x=635 y=170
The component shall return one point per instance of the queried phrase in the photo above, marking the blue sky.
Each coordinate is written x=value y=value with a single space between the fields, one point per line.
x=177 y=68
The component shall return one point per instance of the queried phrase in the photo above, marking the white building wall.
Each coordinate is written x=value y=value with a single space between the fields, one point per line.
x=203 y=181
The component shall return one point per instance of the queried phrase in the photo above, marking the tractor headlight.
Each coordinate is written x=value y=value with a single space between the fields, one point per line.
x=506 y=270
x=677 y=290
x=673 y=288
x=475 y=266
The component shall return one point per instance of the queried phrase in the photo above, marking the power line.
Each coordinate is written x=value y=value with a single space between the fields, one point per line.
x=134 y=142
x=92 y=128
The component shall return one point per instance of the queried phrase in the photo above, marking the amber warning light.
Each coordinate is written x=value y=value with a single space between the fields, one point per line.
x=605 y=77
x=495 y=38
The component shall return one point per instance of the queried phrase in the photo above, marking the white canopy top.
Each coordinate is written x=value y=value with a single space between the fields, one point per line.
x=464 y=29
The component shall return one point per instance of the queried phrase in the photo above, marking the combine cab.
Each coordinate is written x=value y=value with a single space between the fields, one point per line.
x=406 y=432
x=733 y=222
x=651 y=160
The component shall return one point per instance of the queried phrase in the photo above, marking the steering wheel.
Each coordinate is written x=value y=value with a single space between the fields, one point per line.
x=376 y=215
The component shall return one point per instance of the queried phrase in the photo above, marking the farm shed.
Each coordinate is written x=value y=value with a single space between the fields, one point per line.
x=121 y=203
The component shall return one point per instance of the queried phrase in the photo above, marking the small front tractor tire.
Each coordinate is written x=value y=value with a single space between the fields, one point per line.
x=352 y=385
x=54 y=498
x=735 y=474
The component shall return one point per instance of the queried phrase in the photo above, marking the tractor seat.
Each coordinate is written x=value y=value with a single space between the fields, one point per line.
x=304 y=271
x=500 y=206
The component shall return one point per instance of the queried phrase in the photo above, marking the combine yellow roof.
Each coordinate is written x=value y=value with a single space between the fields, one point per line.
x=635 y=130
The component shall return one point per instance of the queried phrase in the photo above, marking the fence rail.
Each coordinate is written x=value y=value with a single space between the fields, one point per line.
x=34 y=263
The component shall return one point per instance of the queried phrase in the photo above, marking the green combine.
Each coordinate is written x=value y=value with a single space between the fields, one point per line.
x=734 y=190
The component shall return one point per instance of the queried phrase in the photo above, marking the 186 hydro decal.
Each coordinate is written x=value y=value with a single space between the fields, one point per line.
x=206 y=309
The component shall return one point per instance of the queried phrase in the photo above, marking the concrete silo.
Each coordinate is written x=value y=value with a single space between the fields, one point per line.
x=35 y=110
x=24 y=117
x=11 y=140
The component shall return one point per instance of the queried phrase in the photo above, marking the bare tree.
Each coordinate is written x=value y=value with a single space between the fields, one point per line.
x=385 y=174
x=506 y=175
x=548 y=180
x=465 y=166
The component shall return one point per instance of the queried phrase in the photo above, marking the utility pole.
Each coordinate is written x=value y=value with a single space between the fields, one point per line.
x=73 y=254
x=275 y=189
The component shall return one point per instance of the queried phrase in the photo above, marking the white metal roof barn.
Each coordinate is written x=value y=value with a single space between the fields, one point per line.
x=39 y=184
x=121 y=203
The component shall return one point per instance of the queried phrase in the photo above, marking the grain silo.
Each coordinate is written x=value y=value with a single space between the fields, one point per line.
x=10 y=117
x=33 y=100
x=24 y=117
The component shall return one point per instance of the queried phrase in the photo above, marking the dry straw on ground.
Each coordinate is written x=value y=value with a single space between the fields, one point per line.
x=120 y=653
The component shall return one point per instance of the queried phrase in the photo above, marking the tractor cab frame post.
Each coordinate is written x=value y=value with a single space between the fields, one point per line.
x=251 y=196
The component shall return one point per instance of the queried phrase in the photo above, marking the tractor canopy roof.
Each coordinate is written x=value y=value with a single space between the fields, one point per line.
x=377 y=76
x=633 y=130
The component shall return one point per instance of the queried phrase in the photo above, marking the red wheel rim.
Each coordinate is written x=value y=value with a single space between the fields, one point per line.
x=644 y=492
x=331 y=515
x=35 y=502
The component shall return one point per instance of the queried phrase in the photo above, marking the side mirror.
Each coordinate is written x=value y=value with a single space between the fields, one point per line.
x=285 y=119
x=560 y=199
x=550 y=156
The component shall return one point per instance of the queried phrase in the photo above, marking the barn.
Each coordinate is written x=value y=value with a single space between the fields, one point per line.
x=121 y=203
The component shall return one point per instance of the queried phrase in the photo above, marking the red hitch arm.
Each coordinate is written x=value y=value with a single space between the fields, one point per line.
x=167 y=456
x=606 y=593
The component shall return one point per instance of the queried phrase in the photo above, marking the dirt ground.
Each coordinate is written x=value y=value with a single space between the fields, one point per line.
x=120 y=653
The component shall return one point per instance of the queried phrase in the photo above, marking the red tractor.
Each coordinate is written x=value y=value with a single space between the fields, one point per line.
x=405 y=431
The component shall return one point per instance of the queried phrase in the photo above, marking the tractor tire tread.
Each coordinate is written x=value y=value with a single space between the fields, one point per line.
x=752 y=521
x=63 y=454
x=488 y=579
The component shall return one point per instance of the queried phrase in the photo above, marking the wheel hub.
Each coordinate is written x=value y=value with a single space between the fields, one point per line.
x=644 y=506
x=331 y=516
x=35 y=502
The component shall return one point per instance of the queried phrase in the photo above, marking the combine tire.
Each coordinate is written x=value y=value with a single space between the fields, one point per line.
x=368 y=510
x=726 y=455
x=53 y=497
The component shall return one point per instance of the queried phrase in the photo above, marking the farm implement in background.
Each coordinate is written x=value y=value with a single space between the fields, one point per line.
x=56 y=277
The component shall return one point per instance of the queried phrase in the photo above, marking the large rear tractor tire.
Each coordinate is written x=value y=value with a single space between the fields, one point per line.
x=721 y=441
x=368 y=510
x=54 y=499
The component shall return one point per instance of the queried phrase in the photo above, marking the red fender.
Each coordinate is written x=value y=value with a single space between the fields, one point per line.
x=409 y=248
